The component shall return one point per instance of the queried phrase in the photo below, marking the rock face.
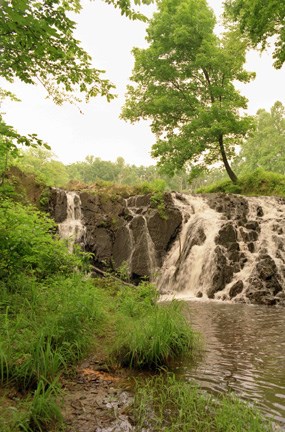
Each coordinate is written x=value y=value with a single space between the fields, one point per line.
x=216 y=246
x=124 y=231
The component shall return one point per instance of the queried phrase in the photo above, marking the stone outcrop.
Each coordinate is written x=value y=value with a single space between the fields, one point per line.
x=218 y=246
x=122 y=231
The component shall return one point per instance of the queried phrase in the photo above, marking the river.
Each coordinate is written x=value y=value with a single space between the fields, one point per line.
x=244 y=353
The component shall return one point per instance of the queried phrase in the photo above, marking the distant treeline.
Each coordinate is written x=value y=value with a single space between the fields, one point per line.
x=264 y=148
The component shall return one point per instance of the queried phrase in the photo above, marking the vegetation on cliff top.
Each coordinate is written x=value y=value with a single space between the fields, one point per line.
x=258 y=182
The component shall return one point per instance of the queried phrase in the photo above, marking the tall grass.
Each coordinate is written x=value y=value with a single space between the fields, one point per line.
x=164 y=404
x=150 y=335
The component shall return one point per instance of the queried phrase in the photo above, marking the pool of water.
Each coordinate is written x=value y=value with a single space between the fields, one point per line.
x=244 y=353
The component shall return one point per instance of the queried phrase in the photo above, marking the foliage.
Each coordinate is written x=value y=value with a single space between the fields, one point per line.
x=26 y=245
x=265 y=147
x=38 y=44
x=260 y=20
x=43 y=164
x=150 y=335
x=10 y=139
x=184 y=83
x=258 y=182
x=165 y=404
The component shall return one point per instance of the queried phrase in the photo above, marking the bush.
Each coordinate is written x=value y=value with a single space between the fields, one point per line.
x=28 y=246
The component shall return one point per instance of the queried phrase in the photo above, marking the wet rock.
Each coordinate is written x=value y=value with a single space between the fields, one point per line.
x=227 y=236
x=163 y=230
x=223 y=273
x=259 y=212
x=232 y=206
x=236 y=289
x=251 y=247
x=58 y=205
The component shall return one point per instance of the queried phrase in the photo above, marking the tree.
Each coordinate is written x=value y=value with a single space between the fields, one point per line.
x=10 y=139
x=43 y=164
x=37 y=45
x=260 y=20
x=266 y=147
x=184 y=85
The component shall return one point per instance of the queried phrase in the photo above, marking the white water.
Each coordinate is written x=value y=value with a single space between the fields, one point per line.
x=72 y=228
x=190 y=264
x=190 y=273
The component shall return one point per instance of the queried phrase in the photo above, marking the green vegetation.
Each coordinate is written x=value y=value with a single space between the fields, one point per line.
x=52 y=314
x=163 y=403
x=150 y=336
x=265 y=147
x=260 y=20
x=184 y=84
x=259 y=182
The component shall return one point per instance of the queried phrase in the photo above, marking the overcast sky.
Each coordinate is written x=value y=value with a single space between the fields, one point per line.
x=109 y=38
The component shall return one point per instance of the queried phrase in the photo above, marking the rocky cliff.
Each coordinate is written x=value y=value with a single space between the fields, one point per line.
x=215 y=246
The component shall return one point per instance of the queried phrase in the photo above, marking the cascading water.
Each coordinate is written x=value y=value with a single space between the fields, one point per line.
x=72 y=228
x=229 y=247
x=188 y=266
x=140 y=239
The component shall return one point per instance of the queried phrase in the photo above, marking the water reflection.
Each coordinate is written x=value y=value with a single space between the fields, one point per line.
x=244 y=353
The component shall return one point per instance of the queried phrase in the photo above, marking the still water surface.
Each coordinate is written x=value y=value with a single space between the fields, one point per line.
x=244 y=353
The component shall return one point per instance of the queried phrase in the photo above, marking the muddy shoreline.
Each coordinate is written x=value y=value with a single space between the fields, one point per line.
x=97 y=399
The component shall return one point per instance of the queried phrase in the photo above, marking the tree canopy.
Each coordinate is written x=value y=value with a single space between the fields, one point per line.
x=184 y=83
x=266 y=147
x=38 y=45
x=260 y=20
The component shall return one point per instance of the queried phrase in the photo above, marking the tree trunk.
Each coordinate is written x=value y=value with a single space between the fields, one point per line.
x=230 y=172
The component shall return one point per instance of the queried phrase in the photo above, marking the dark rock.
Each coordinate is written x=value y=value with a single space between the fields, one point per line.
x=251 y=247
x=236 y=289
x=232 y=206
x=199 y=294
x=252 y=225
x=58 y=205
x=122 y=247
x=163 y=230
x=266 y=267
x=227 y=236
x=223 y=273
x=248 y=236
x=259 y=211
x=260 y=296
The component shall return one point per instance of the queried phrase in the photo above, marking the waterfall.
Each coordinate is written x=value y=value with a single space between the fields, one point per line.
x=189 y=264
x=229 y=248
x=72 y=228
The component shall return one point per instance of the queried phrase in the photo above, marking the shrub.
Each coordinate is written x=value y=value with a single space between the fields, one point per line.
x=27 y=246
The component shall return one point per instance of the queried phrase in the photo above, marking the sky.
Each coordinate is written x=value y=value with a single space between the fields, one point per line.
x=109 y=38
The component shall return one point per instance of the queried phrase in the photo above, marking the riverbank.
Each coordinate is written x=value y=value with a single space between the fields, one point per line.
x=53 y=314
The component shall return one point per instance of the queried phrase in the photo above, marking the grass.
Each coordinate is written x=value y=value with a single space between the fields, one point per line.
x=150 y=335
x=259 y=182
x=163 y=403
